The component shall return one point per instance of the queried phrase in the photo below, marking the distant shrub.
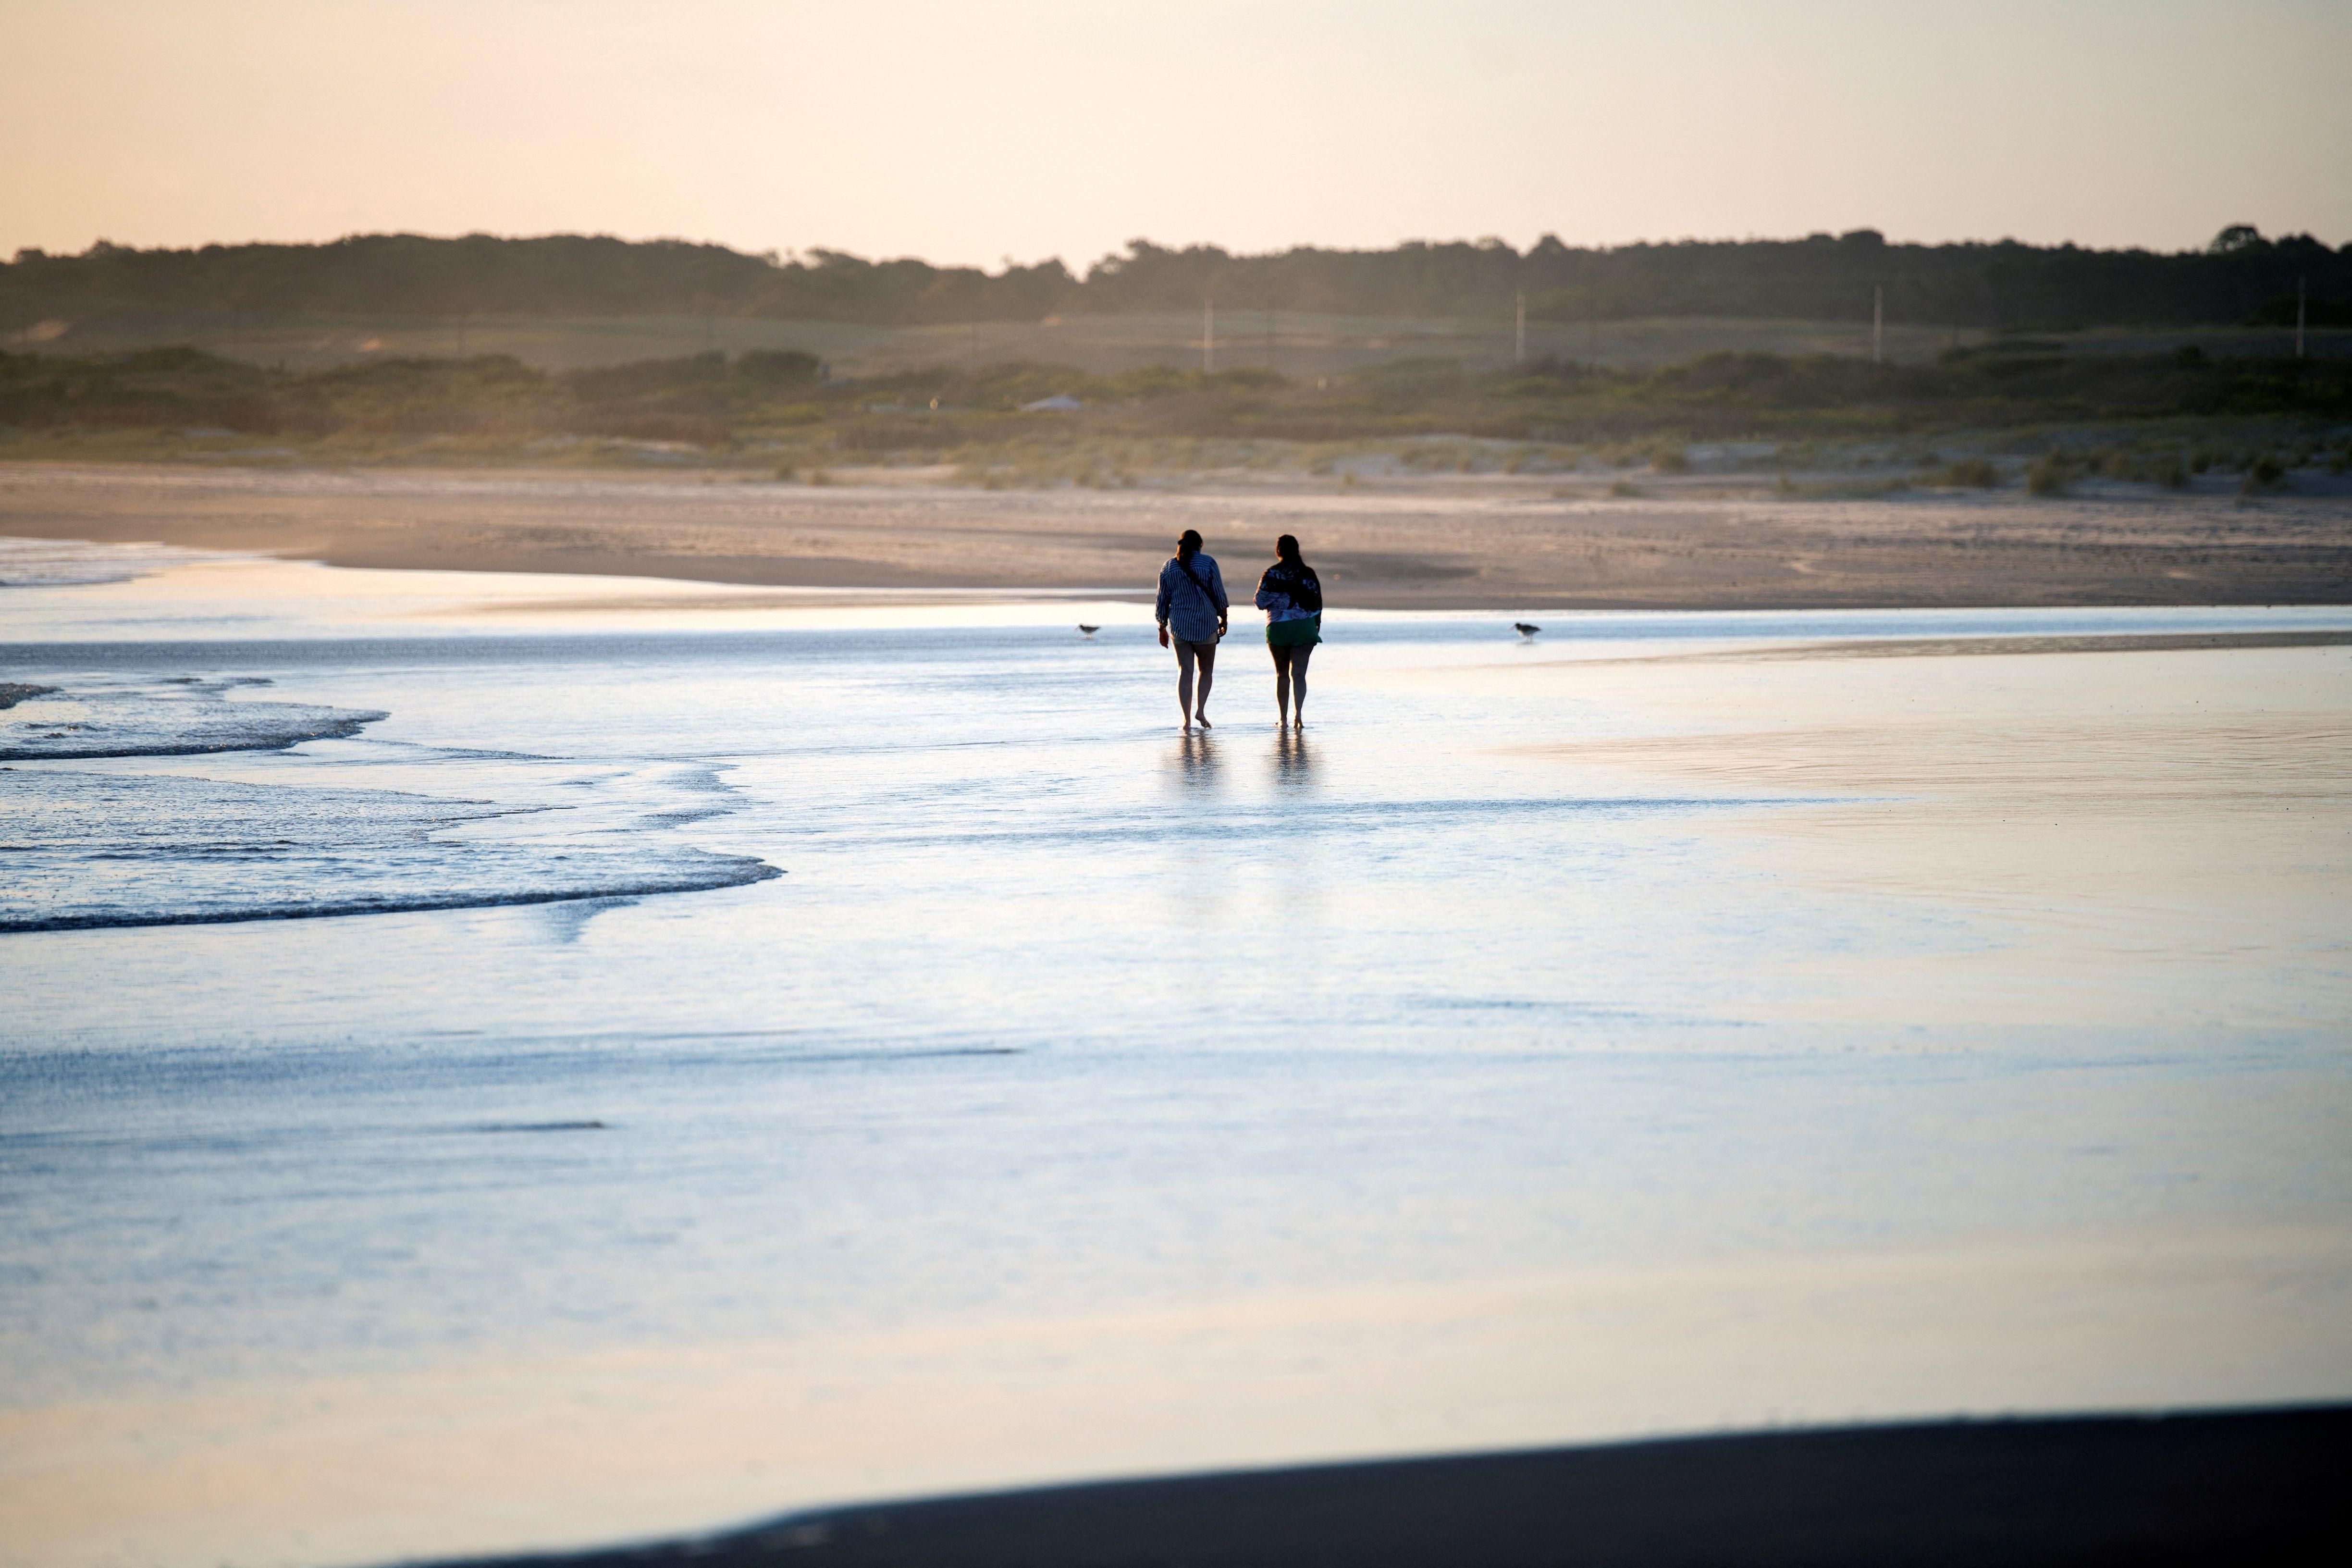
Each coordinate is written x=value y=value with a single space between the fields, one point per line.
x=2280 y=311
x=639 y=377
x=1670 y=459
x=1625 y=487
x=1154 y=380
x=172 y=357
x=2203 y=458
x=2051 y=475
x=2189 y=356
x=2169 y=471
x=2266 y=472
x=802 y=414
x=1973 y=473
x=779 y=367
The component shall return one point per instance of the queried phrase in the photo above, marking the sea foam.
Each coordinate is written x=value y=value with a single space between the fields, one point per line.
x=106 y=849
x=180 y=717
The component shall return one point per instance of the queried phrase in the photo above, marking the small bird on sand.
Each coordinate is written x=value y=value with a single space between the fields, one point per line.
x=1524 y=629
x=1087 y=629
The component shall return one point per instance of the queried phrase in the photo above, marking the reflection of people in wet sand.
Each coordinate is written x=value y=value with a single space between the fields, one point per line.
x=1293 y=765
x=1192 y=607
x=1291 y=597
x=1196 y=758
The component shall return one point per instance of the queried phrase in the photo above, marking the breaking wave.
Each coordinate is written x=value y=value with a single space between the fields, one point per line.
x=80 y=850
x=185 y=717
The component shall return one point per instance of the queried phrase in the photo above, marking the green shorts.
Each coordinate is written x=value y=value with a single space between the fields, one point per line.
x=1295 y=634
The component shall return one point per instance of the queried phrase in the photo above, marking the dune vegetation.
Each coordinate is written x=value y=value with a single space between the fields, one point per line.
x=781 y=413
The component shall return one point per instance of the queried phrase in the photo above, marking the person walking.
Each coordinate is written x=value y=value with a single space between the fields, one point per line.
x=1291 y=597
x=1192 y=606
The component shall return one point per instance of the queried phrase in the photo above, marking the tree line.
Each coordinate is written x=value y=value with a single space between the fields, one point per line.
x=2000 y=286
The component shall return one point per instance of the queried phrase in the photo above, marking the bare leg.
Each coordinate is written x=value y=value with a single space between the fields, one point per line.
x=1298 y=684
x=1184 y=680
x=1281 y=686
x=1208 y=674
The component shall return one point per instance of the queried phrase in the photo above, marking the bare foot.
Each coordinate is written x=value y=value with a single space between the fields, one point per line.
x=1203 y=718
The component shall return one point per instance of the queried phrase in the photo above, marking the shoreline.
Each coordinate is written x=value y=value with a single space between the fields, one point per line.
x=1679 y=548
x=2180 y=1488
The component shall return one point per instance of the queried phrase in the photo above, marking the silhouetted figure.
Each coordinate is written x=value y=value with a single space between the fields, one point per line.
x=1192 y=607
x=1291 y=597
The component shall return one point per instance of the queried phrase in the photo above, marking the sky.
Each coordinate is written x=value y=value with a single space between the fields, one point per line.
x=1012 y=130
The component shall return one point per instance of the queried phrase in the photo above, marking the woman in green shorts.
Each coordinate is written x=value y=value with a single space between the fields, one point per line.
x=1291 y=597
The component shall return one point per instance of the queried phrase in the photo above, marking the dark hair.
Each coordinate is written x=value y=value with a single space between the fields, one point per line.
x=1291 y=577
x=1188 y=544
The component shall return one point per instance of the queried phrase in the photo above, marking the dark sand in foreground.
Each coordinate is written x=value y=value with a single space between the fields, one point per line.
x=2209 y=1489
x=1502 y=545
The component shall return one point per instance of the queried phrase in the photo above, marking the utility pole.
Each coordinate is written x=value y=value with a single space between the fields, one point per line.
x=1519 y=343
x=1208 y=337
x=2301 y=305
x=1877 y=323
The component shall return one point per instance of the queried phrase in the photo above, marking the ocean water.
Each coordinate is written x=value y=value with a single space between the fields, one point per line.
x=565 y=1075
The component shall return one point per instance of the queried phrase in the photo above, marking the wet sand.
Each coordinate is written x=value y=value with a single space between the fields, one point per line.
x=2200 y=1488
x=1499 y=544
x=1819 y=1039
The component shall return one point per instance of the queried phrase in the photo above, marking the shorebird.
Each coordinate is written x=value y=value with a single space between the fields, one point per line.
x=1524 y=629
x=1087 y=629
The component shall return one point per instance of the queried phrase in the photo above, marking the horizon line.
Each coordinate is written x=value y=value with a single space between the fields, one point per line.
x=795 y=256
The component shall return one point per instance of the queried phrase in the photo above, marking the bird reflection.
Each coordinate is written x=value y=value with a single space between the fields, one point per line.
x=1294 y=760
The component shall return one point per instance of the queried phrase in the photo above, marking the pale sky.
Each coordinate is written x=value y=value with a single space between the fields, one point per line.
x=972 y=133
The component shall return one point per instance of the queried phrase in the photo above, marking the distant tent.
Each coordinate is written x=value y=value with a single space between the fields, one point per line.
x=1060 y=402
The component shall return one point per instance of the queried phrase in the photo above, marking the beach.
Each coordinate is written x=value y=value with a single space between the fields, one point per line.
x=1735 y=952
x=1499 y=542
x=646 y=1056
